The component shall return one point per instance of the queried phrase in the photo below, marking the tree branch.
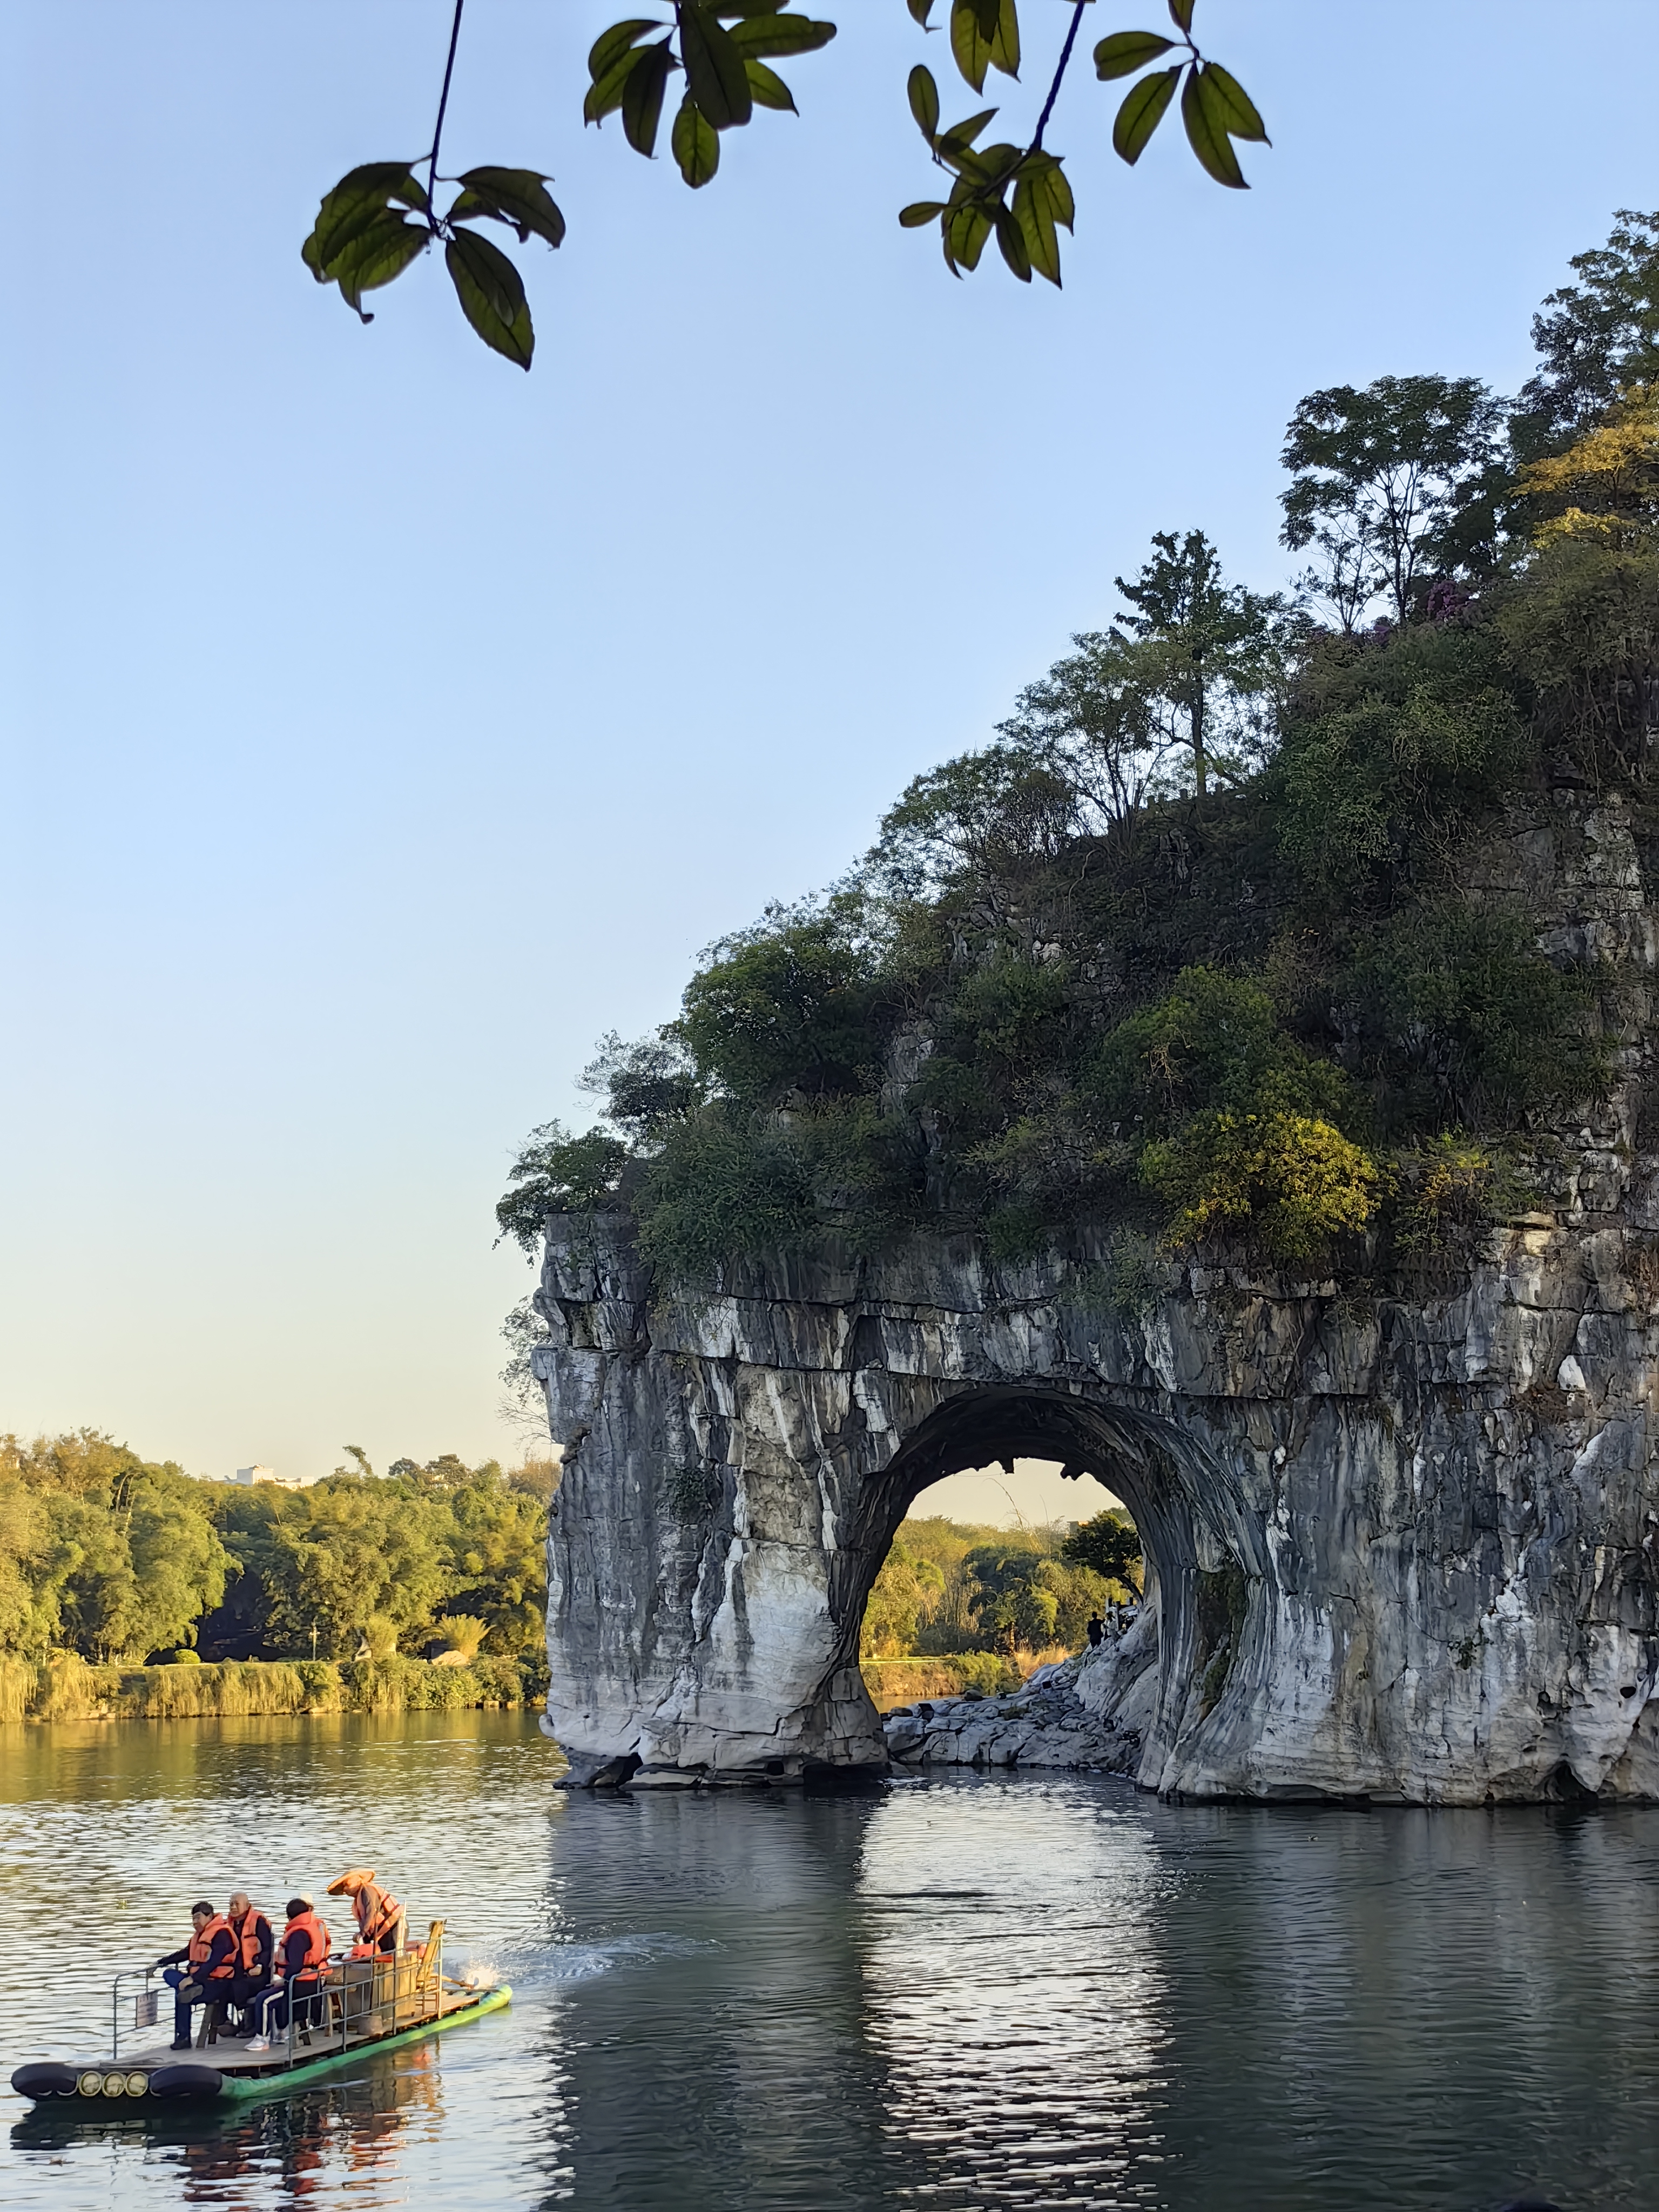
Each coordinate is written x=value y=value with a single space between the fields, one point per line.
x=443 y=103
x=1054 y=89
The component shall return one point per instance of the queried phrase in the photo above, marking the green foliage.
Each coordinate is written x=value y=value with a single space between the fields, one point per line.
x=782 y=1008
x=1379 y=477
x=1118 y=967
x=947 y=1587
x=1459 y=1022
x=1596 y=337
x=1215 y=1041
x=110 y=1558
x=907 y=1591
x=1287 y=1182
x=1206 y=652
x=101 y=1552
x=1110 y=1546
x=558 y=1174
x=1389 y=753
x=725 y=1186
x=380 y=218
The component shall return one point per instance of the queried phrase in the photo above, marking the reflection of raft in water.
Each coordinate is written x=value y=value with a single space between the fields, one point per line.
x=365 y=2005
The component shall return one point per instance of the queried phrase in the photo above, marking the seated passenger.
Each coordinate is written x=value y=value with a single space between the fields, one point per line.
x=206 y=1970
x=255 y=1945
x=380 y=1918
x=302 y=1961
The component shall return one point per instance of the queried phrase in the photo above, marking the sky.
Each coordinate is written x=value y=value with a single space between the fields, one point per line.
x=380 y=725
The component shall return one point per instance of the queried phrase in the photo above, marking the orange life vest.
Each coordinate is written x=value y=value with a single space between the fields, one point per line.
x=315 y=1962
x=201 y=1946
x=377 y=1911
x=247 y=1932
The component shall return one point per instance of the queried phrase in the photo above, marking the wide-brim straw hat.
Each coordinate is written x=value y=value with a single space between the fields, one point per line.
x=353 y=1877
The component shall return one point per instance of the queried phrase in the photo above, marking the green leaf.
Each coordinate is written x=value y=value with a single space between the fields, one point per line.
x=518 y=197
x=1242 y=121
x=375 y=256
x=606 y=93
x=966 y=229
x=985 y=34
x=1142 y=111
x=713 y=70
x=920 y=10
x=924 y=101
x=921 y=211
x=769 y=37
x=361 y=196
x=768 y=89
x=1126 y=52
x=1043 y=201
x=611 y=46
x=491 y=295
x=1181 y=14
x=953 y=145
x=642 y=98
x=1011 y=240
x=1206 y=132
x=696 y=144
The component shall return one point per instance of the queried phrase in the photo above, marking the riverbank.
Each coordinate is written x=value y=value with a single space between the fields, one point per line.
x=69 y=1688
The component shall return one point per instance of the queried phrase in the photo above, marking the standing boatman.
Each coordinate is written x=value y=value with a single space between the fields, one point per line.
x=381 y=1919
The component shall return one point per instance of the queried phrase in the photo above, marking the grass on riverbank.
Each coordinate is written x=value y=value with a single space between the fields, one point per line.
x=69 y=1688
x=901 y=1681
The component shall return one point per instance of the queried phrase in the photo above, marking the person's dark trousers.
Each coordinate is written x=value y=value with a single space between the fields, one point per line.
x=308 y=2009
x=242 y=1990
x=178 y=1980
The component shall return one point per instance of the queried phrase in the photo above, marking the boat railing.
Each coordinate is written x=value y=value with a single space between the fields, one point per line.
x=368 y=1997
x=364 y=1997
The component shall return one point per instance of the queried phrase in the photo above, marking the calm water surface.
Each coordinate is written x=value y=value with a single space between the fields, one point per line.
x=982 y=1993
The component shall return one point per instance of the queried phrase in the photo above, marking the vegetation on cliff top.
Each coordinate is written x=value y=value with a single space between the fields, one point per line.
x=1208 y=943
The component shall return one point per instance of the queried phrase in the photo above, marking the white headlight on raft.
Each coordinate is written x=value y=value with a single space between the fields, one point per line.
x=115 y=2085
x=91 y=2084
x=136 y=2084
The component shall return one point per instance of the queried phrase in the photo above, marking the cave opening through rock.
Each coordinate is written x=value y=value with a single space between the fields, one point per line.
x=1201 y=1568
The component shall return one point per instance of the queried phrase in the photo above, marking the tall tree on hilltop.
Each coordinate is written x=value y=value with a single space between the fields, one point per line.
x=1207 y=652
x=1598 y=338
x=1388 y=482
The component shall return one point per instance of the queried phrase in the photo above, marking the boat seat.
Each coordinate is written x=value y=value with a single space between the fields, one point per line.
x=213 y=2018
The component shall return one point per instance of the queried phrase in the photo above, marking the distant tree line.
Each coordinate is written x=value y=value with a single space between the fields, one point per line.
x=116 y=1558
x=1203 y=947
x=949 y=1586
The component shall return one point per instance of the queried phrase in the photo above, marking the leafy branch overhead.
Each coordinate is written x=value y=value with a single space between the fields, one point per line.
x=381 y=216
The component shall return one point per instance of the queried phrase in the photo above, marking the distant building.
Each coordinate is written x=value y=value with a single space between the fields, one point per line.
x=249 y=1475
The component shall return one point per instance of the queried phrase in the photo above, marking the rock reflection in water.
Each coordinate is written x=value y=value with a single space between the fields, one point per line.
x=1022 y=2020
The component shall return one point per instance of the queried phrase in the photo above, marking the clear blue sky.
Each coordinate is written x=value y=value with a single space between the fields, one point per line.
x=381 y=724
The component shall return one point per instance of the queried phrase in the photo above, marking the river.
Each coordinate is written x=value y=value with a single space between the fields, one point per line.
x=980 y=1993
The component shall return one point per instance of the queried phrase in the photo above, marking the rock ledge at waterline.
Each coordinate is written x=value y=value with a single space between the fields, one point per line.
x=1400 y=1549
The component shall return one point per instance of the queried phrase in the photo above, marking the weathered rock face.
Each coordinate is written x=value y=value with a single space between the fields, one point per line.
x=1403 y=1547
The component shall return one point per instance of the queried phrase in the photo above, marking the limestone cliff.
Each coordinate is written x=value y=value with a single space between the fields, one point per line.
x=1403 y=1542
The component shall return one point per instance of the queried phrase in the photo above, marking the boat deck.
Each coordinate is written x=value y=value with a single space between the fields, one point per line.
x=233 y=2058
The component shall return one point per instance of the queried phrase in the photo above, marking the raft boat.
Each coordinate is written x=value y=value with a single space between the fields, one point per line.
x=363 y=2005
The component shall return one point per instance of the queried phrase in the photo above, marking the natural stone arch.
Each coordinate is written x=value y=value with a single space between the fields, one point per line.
x=1440 y=1509
x=1193 y=1520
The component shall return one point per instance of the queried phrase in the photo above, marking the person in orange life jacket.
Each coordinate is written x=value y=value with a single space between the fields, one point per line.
x=254 y=1947
x=380 y=1918
x=199 y=1972
x=301 y=1963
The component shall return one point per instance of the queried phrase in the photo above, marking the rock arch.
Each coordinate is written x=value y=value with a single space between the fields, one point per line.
x=1405 y=1547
